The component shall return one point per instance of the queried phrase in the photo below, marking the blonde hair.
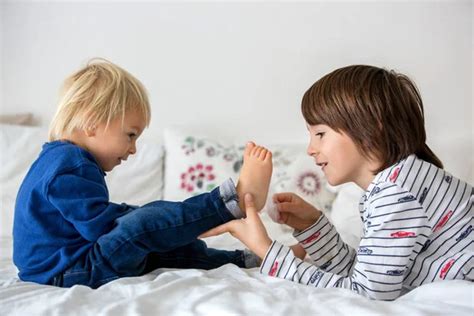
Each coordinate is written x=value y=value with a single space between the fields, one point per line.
x=96 y=94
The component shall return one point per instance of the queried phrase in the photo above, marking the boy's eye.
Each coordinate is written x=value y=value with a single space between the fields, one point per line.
x=321 y=134
x=131 y=135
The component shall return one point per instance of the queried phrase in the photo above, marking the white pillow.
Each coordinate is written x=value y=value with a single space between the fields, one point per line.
x=345 y=214
x=139 y=180
x=20 y=146
x=17 y=119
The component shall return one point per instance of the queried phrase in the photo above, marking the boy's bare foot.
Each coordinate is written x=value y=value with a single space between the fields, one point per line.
x=255 y=175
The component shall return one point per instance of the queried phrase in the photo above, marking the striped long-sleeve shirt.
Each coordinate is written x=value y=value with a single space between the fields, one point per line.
x=418 y=223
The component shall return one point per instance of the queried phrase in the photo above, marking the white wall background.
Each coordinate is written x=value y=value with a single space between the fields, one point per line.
x=241 y=68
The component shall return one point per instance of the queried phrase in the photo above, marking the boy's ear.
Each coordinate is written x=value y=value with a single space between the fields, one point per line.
x=90 y=131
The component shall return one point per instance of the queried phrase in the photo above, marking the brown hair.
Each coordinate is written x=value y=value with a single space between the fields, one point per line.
x=380 y=110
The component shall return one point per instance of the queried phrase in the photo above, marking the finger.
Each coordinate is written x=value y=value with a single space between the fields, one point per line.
x=251 y=211
x=283 y=197
x=282 y=218
x=218 y=230
x=250 y=208
x=287 y=207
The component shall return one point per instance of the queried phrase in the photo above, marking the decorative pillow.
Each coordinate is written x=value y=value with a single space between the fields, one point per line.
x=17 y=119
x=196 y=164
x=139 y=180
x=297 y=173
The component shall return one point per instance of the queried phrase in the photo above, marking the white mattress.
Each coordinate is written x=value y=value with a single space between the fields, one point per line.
x=228 y=290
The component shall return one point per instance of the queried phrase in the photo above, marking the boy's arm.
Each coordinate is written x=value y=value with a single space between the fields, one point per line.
x=81 y=196
x=325 y=247
x=394 y=234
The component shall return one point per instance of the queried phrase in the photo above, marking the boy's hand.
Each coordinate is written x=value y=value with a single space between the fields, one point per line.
x=250 y=230
x=294 y=211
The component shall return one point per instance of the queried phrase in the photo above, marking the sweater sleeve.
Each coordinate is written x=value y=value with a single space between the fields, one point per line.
x=82 y=198
x=396 y=228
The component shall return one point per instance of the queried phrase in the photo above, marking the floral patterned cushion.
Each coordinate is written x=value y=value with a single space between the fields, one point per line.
x=195 y=164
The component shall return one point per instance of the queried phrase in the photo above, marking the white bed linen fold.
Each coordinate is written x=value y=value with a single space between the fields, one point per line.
x=228 y=290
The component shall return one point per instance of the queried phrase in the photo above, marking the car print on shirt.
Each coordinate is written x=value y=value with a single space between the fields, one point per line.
x=423 y=195
x=315 y=277
x=443 y=221
x=407 y=198
x=465 y=233
x=374 y=191
x=364 y=251
x=395 y=272
x=394 y=175
x=445 y=269
x=401 y=234
x=311 y=238
x=274 y=269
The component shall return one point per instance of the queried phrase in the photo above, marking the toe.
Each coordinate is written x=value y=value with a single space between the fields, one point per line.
x=257 y=151
x=248 y=148
x=268 y=156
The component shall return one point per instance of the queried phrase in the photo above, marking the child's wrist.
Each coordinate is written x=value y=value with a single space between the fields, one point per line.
x=263 y=248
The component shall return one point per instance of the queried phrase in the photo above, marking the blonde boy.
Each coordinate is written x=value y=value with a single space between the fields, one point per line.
x=67 y=232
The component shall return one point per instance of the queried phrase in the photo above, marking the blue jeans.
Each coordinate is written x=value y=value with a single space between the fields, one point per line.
x=160 y=234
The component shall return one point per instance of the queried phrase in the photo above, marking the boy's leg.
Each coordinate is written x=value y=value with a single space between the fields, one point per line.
x=195 y=255
x=161 y=226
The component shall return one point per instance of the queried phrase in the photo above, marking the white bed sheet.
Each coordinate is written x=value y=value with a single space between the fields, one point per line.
x=228 y=290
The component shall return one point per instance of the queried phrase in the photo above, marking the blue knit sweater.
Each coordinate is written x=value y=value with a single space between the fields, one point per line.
x=61 y=209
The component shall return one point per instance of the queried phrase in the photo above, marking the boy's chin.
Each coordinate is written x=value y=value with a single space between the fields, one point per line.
x=334 y=182
x=108 y=169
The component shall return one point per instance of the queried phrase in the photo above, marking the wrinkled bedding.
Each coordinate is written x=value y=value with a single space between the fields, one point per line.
x=227 y=290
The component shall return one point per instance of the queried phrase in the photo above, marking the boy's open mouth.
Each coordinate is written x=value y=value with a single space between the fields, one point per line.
x=322 y=164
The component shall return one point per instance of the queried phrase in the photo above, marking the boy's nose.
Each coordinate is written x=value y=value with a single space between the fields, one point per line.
x=311 y=151
x=133 y=149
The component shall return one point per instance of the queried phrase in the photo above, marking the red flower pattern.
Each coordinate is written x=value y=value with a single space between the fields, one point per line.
x=197 y=177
